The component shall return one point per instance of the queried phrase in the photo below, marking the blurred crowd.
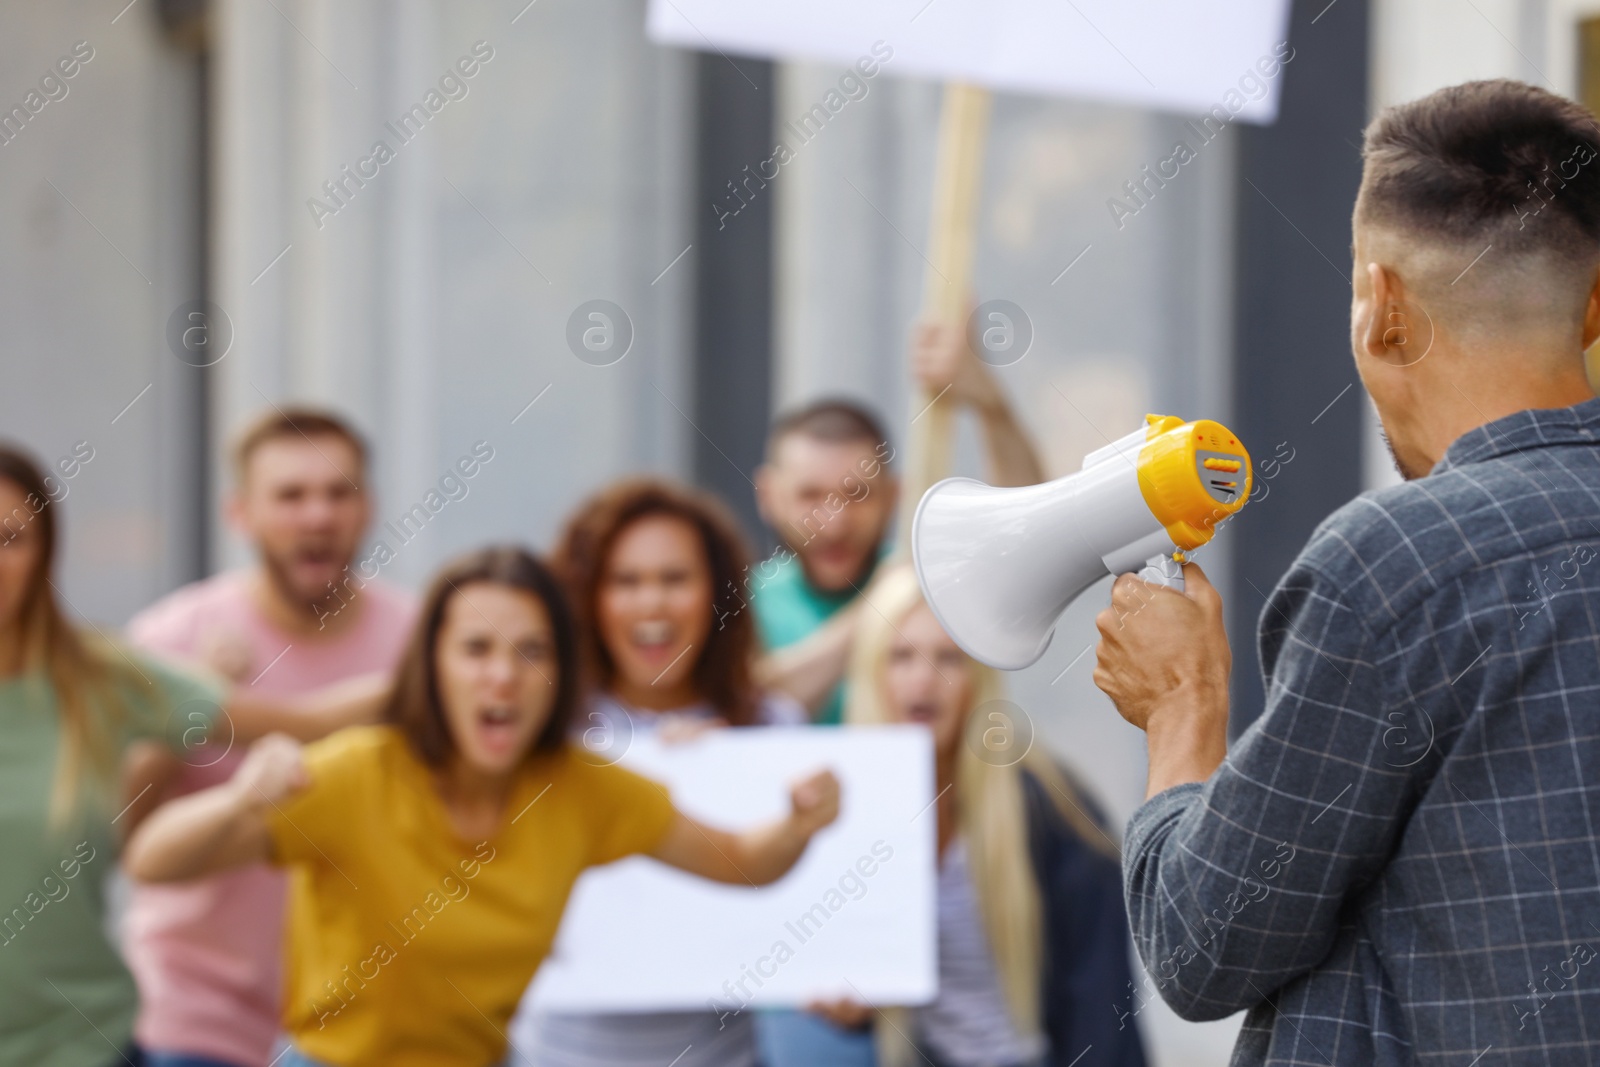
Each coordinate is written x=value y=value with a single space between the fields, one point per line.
x=286 y=757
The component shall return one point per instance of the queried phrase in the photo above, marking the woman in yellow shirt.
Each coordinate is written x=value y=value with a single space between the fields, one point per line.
x=433 y=855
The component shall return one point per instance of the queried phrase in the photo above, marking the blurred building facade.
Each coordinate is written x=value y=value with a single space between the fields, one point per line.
x=223 y=160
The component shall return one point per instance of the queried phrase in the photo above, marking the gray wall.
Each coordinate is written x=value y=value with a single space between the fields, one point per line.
x=432 y=308
x=1297 y=393
x=99 y=242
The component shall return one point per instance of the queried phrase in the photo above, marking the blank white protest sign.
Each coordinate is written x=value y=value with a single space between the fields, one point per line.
x=640 y=936
x=1180 y=55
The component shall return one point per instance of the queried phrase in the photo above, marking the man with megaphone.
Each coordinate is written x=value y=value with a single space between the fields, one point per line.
x=1399 y=860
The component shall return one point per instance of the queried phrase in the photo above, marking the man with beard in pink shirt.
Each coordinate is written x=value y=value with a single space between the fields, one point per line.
x=208 y=955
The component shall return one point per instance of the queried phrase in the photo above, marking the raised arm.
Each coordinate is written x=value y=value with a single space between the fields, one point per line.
x=149 y=768
x=758 y=856
x=809 y=669
x=220 y=828
x=942 y=359
x=353 y=702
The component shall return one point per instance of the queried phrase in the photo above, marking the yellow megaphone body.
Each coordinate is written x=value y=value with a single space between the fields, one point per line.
x=999 y=566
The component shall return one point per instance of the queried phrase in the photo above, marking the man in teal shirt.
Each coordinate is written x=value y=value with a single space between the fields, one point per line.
x=827 y=491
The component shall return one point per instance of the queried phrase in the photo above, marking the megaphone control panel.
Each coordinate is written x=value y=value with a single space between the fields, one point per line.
x=999 y=566
x=1192 y=475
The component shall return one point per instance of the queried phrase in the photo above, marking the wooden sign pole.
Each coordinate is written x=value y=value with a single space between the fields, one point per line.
x=947 y=285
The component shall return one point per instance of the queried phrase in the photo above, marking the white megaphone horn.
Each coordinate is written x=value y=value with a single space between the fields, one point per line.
x=999 y=566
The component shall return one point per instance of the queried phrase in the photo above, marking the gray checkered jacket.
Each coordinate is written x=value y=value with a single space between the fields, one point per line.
x=1398 y=861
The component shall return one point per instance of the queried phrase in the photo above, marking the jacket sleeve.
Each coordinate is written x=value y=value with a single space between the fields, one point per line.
x=1234 y=887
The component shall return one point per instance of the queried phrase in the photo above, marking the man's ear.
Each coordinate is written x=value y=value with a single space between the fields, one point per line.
x=1591 y=315
x=1389 y=327
x=1375 y=341
x=765 y=476
x=365 y=498
x=233 y=512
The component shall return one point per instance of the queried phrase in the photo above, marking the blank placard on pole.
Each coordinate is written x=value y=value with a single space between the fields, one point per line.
x=1176 y=55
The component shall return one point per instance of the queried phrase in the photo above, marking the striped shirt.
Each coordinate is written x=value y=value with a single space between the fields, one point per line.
x=968 y=1024
x=1398 y=862
x=678 y=1038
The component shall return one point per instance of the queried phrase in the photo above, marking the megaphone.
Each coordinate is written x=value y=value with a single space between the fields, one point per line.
x=999 y=566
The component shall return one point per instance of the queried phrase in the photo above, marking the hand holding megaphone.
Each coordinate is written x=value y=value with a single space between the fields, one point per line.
x=1154 y=643
x=999 y=566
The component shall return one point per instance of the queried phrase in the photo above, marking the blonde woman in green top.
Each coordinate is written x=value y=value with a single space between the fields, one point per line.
x=70 y=704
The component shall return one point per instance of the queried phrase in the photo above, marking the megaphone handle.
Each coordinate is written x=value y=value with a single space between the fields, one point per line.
x=1163 y=570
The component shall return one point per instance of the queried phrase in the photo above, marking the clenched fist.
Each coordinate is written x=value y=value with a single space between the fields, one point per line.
x=272 y=771
x=814 y=801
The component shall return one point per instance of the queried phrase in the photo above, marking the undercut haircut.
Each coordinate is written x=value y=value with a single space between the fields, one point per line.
x=298 y=422
x=1498 y=163
x=831 y=419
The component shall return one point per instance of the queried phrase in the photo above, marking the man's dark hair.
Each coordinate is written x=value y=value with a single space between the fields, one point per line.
x=831 y=419
x=1498 y=162
x=295 y=422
